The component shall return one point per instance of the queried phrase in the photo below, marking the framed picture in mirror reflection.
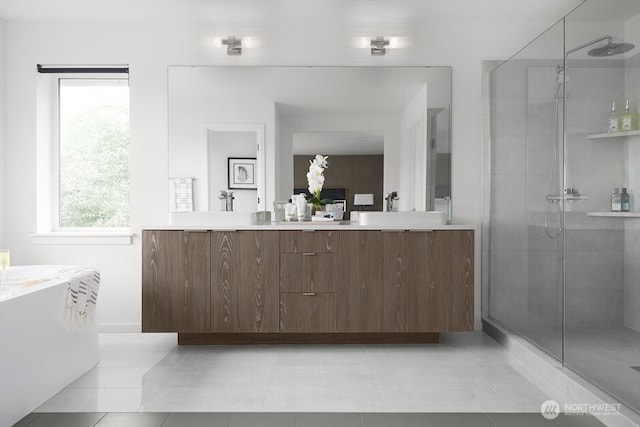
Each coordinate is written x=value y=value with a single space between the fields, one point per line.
x=242 y=173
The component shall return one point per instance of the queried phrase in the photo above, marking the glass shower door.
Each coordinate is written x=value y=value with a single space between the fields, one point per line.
x=526 y=221
x=602 y=249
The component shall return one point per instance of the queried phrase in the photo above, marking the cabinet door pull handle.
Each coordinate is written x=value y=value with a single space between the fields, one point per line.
x=308 y=231
x=309 y=294
x=308 y=254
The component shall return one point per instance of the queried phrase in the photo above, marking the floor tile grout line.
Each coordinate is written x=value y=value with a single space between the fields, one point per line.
x=273 y=368
x=375 y=376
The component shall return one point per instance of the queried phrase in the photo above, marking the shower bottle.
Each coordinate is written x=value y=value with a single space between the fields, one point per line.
x=613 y=119
x=624 y=201
x=616 y=201
x=628 y=119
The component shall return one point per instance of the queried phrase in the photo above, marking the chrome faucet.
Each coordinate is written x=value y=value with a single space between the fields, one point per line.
x=389 y=198
x=227 y=204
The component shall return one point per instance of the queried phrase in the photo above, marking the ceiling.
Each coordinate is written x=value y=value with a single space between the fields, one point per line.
x=343 y=143
x=329 y=12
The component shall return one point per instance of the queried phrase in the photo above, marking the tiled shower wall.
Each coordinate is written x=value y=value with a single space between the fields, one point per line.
x=525 y=264
x=594 y=246
x=508 y=289
x=632 y=226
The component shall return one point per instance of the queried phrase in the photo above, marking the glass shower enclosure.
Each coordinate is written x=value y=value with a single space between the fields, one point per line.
x=562 y=269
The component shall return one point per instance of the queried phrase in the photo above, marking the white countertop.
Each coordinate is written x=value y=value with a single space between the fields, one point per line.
x=309 y=225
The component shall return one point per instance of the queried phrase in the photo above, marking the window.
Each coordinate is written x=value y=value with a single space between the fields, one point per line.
x=83 y=144
x=93 y=152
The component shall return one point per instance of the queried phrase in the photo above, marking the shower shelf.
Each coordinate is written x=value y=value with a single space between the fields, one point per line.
x=613 y=134
x=615 y=214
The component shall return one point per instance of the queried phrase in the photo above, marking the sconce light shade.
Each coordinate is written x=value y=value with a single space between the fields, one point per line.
x=234 y=45
x=378 y=46
x=363 y=199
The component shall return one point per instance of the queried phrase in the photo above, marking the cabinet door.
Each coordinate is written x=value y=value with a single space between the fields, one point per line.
x=244 y=281
x=405 y=281
x=440 y=281
x=450 y=265
x=307 y=312
x=393 y=290
x=308 y=272
x=360 y=271
x=175 y=281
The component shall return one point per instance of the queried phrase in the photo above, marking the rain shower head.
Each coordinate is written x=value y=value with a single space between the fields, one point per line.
x=611 y=49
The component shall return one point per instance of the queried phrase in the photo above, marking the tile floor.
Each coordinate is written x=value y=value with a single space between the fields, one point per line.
x=603 y=356
x=606 y=356
x=467 y=372
x=183 y=419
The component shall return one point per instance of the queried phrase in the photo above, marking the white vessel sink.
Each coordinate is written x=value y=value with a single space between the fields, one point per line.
x=409 y=218
x=204 y=219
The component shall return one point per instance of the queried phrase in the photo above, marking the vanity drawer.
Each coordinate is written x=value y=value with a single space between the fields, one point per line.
x=308 y=312
x=299 y=241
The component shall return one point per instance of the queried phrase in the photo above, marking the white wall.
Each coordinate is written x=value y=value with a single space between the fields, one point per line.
x=149 y=48
x=2 y=132
x=413 y=146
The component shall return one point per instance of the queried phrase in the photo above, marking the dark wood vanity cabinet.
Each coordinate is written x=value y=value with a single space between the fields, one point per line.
x=175 y=281
x=405 y=281
x=440 y=295
x=210 y=281
x=278 y=284
x=244 y=281
x=308 y=280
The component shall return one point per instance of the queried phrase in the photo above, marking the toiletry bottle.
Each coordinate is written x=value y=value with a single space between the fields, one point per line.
x=628 y=119
x=301 y=205
x=616 y=202
x=624 y=200
x=613 y=119
x=290 y=211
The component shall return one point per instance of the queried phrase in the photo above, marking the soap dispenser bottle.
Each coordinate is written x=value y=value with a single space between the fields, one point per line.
x=616 y=201
x=628 y=119
x=613 y=119
x=624 y=200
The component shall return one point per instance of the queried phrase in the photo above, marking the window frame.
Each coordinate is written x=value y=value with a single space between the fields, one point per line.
x=49 y=229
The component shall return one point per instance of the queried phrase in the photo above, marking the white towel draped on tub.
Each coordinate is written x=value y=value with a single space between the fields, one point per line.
x=82 y=296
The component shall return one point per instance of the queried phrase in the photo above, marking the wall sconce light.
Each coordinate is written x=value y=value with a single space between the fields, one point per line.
x=234 y=45
x=379 y=45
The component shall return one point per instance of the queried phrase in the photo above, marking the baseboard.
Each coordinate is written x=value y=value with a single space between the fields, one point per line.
x=119 y=327
x=576 y=388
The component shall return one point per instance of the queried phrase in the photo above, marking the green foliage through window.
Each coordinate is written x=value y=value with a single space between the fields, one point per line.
x=94 y=154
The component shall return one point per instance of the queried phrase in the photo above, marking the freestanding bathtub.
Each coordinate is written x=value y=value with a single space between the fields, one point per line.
x=39 y=353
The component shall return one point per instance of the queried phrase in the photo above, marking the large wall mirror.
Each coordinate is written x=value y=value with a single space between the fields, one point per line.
x=384 y=129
